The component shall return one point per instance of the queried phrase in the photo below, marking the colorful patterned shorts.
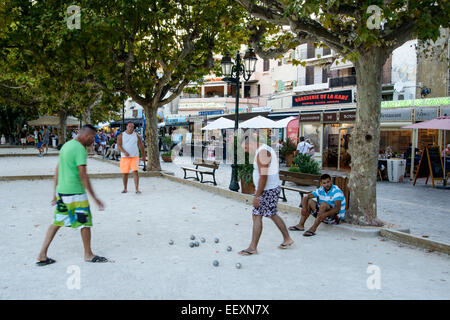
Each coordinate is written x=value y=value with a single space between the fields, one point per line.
x=72 y=210
x=268 y=203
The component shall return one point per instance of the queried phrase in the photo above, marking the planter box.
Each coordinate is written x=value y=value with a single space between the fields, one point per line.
x=167 y=158
x=247 y=188
x=289 y=157
x=303 y=179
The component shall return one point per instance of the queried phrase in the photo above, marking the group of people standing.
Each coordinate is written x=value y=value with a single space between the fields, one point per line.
x=41 y=138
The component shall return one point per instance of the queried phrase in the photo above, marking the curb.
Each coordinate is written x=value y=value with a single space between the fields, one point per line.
x=91 y=176
x=26 y=155
x=415 y=241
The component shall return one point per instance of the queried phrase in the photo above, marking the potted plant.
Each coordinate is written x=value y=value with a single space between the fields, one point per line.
x=287 y=151
x=167 y=156
x=245 y=174
x=307 y=167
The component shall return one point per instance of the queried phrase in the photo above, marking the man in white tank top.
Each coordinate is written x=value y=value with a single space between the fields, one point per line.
x=128 y=143
x=267 y=183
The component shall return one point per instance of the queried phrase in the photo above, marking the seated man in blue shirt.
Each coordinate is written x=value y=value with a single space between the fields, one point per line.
x=331 y=206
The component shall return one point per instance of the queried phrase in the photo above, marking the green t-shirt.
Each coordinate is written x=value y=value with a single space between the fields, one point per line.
x=72 y=155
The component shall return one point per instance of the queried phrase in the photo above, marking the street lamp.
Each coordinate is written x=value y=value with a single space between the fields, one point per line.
x=233 y=72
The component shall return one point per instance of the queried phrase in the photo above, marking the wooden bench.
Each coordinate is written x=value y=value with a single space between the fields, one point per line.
x=299 y=178
x=205 y=164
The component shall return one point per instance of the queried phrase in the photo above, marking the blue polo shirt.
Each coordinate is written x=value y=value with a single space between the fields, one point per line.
x=330 y=197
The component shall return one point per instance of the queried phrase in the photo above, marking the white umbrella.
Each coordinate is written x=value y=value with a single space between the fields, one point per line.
x=221 y=123
x=258 y=122
x=284 y=122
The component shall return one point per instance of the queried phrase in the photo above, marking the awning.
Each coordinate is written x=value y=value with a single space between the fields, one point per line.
x=221 y=123
x=258 y=122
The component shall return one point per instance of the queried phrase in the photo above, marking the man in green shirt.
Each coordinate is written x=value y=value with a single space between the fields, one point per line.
x=72 y=205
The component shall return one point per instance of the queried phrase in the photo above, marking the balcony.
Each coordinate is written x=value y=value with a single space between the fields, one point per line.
x=343 y=81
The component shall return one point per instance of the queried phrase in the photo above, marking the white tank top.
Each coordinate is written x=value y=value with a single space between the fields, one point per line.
x=130 y=144
x=273 y=177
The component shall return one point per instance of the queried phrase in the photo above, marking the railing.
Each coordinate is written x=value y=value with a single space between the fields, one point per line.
x=343 y=81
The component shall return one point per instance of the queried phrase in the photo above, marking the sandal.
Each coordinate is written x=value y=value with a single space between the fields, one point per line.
x=285 y=246
x=98 y=259
x=295 y=228
x=245 y=252
x=309 y=234
x=45 y=262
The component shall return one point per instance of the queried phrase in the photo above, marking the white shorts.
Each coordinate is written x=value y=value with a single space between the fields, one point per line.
x=23 y=140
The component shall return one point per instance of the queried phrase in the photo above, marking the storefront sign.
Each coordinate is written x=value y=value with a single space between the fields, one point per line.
x=210 y=113
x=445 y=111
x=347 y=116
x=422 y=114
x=416 y=103
x=402 y=114
x=336 y=97
x=329 y=117
x=310 y=117
x=262 y=109
x=176 y=120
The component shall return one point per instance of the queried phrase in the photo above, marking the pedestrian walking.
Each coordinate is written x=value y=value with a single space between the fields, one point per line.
x=267 y=181
x=46 y=139
x=23 y=137
x=39 y=143
x=72 y=205
x=129 y=143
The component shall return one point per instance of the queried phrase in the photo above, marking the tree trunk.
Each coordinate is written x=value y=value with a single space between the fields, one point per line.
x=365 y=139
x=151 y=138
x=62 y=134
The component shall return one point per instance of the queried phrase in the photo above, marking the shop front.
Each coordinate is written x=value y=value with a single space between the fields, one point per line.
x=329 y=131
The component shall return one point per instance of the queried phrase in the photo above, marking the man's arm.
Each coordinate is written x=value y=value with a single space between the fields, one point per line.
x=87 y=185
x=263 y=168
x=55 y=183
x=141 y=147
x=119 y=145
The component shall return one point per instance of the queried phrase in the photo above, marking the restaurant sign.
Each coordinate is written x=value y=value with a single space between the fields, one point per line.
x=310 y=117
x=315 y=99
x=422 y=114
x=403 y=114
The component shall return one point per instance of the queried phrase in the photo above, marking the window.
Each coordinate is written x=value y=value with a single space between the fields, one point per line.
x=326 y=51
x=311 y=51
x=324 y=74
x=259 y=90
x=135 y=113
x=309 y=75
x=266 y=65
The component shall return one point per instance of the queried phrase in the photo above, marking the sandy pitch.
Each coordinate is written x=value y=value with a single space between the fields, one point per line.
x=134 y=231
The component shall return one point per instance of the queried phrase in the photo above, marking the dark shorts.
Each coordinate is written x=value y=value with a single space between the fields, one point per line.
x=334 y=219
x=268 y=203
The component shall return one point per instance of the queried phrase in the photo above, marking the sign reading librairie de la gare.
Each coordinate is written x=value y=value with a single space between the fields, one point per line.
x=315 y=99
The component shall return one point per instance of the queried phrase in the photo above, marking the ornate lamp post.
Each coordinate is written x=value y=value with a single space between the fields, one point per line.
x=233 y=72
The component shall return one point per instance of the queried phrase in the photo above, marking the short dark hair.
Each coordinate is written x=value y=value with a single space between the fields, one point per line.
x=88 y=127
x=325 y=176
x=302 y=138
